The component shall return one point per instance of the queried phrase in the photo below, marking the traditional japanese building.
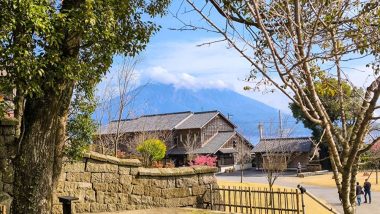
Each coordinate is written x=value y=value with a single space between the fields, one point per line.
x=293 y=150
x=190 y=134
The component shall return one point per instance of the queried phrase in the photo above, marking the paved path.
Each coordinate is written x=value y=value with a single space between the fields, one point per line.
x=327 y=194
x=165 y=211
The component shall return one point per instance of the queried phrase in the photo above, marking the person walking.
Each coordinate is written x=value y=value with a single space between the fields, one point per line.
x=299 y=167
x=359 y=192
x=367 y=191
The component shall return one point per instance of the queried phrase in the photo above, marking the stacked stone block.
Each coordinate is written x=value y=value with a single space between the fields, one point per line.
x=106 y=184
x=7 y=155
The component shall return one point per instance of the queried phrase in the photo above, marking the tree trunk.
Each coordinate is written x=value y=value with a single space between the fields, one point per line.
x=348 y=192
x=38 y=163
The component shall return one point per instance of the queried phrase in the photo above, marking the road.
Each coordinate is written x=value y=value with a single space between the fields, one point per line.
x=289 y=179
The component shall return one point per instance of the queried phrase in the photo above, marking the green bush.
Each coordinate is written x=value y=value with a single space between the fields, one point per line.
x=152 y=150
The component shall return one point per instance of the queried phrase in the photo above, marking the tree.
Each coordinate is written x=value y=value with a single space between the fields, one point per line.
x=49 y=49
x=115 y=105
x=242 y=155
x=291 y=45
x=80 y=126
x=326 y=90
x=190 y=144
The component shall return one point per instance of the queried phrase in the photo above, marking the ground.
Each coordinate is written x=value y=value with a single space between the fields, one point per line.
x=166 y=211
x=321 y=186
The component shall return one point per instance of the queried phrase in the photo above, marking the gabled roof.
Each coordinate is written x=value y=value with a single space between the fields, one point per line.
x=177 y=151
x=227 y=150
x=162 y=122
x=215 y=143
x=197 y=120
x=211 y=147
x=300 y=144
x=156 y=122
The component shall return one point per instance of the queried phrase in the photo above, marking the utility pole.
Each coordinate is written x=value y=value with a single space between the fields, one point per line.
x=261 y=130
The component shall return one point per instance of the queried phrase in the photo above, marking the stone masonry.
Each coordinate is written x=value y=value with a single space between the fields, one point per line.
x=7 y=154
x=105 y=183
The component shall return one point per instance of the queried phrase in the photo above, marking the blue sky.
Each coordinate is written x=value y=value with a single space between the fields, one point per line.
x=174 y=57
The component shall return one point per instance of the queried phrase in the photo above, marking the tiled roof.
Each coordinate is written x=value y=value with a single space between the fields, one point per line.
x=177 y=151
x=197 y=120
x=227 y=150
x=301 y=144
x=158 y=122
x=215 y=143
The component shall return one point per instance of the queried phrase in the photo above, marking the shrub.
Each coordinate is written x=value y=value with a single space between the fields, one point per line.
x=151 y=150
x=204 y=160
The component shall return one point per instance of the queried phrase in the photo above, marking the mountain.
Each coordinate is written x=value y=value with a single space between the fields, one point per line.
x=245 y=112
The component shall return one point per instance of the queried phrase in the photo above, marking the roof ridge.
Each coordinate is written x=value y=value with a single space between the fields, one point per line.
x=203 y=112
x=180 y=112
x=152 y=115
x=227 y=131
x=285 y=138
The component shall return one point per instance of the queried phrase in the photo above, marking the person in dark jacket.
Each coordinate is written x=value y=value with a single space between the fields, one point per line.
x=359 y=192
x=367 y=191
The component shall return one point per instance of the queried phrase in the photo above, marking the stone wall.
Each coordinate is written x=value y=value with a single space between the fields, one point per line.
x=7 y=154
x=105 y=183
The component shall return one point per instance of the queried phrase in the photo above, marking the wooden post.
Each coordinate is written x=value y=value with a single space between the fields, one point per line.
x=303 y=203
x=250 y=200
x=224 y=199
x=229 y=198
x=235 y=201
x=241 y=199
x=297 y=201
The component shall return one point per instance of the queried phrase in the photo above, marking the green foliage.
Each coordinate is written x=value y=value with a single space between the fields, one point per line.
x=80 y=126
x=152 y=150
x=45 y=44
x=327 y=90
x=47 y=48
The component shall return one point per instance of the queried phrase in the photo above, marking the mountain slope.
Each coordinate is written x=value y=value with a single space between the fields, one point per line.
x=245 y=112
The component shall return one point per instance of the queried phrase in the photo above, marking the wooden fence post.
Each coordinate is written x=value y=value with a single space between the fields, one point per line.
x=298 y=202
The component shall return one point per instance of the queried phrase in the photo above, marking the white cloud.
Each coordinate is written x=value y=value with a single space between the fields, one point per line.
x=181 y=80
x=186 y=65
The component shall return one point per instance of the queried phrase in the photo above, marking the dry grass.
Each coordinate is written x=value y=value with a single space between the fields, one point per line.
x=312 y=207
x=328 y=181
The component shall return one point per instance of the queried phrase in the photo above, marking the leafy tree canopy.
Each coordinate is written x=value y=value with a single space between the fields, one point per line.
x=327 y=89
x=37 y=36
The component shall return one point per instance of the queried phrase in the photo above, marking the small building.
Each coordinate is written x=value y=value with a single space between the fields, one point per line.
x=289 y=150
x=188 y=134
